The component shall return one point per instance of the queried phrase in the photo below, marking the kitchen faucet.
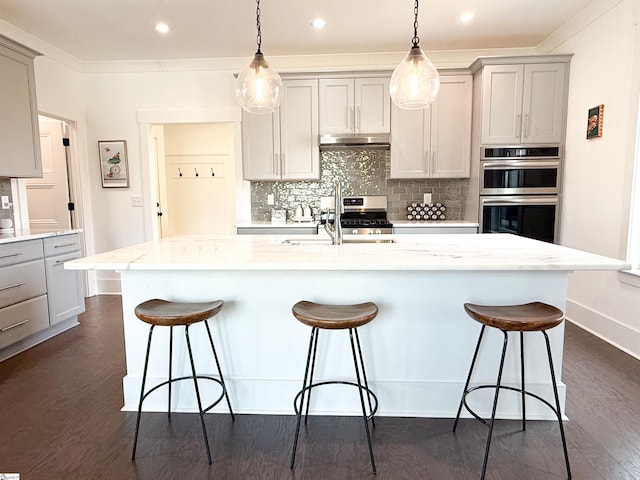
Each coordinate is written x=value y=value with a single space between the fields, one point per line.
x=335 y=232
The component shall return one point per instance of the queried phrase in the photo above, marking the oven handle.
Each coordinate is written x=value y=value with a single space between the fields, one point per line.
x=529 y=200
x=521 y=164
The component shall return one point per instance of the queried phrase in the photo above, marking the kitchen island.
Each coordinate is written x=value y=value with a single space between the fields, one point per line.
x=417 y=351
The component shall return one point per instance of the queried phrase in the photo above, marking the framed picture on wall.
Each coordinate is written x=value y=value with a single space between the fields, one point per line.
x=594 y=122
x=114 y=164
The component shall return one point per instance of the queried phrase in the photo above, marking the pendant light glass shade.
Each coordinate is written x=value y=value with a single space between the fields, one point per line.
x=259 y=88
x=415 y=83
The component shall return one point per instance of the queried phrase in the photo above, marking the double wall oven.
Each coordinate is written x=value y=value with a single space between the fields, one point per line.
x=520 y=190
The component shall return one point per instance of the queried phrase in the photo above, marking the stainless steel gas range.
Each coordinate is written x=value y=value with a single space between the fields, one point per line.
x=362 y=215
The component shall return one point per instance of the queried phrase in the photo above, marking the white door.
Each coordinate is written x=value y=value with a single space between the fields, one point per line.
x=199 y=180
x=48 y=197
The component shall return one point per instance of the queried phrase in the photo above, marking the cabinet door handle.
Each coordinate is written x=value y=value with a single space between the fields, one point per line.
x=275 y=162
x=425 y=160
x=11 y=255
x=358 y=119
x=15 y=285
x=526 y=125
x=433 y=161
x=280 y=167
x=2 y=330
x=518 y=125
x=64 y=245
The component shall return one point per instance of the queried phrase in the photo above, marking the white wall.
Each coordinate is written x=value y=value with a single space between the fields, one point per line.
x=597 y=181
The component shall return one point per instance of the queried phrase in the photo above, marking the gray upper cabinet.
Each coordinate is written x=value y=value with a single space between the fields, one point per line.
x=434 y=142
x=19 y=135
x=284 y=145
x=354 y=105
x=524 y=103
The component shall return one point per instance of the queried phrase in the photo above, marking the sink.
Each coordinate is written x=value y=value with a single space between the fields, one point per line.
x=327 y=241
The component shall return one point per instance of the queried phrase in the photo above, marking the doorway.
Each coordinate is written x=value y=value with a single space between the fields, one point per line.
x=195 y=166
x=48 y=199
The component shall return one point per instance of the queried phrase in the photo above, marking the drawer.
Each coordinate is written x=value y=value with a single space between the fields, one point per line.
x=22 y=282
x=23 y=319
x=61 y=244
x=18 y=252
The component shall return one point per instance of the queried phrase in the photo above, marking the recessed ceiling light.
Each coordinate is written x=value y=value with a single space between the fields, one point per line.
x=319 y=23
x=162 y=27
x=465 y=17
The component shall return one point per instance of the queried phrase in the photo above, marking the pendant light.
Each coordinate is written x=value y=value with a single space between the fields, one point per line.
x=259 y=88
x=415 y=83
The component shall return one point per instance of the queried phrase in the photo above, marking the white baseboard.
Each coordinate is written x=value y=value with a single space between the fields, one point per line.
x=621 y=336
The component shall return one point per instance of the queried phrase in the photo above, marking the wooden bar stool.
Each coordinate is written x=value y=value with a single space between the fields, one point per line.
x=164 y=313
x=530 y=317
x=335 y=317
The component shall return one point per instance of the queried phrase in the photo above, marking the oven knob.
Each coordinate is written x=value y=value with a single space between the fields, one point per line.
x=355 y=231
x=378 y=231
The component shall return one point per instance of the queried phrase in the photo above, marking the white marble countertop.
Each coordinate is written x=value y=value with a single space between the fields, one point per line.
x=432 y=223
x=288 y=224
x=314 y=252
x=10 y=238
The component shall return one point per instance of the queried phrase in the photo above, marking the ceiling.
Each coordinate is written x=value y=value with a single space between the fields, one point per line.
x=96 y=30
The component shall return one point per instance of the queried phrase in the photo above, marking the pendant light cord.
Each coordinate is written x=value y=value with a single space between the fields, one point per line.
x=259 y=36
x=415 y=38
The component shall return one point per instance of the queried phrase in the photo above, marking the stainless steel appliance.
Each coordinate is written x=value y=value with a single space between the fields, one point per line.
x=520 y=170
x=362 y=215
x=519 y=190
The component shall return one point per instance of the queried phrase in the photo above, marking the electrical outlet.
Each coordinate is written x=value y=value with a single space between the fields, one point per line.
x=427 y=198
x=5 y=202
x=136 y=201
x=270 y=199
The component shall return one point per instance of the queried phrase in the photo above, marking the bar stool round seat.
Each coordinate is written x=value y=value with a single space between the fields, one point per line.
x=529 y=317
x=164 y=313
x=320 y=316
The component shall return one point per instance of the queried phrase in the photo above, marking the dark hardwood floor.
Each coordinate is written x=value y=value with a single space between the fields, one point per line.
x=60 y=418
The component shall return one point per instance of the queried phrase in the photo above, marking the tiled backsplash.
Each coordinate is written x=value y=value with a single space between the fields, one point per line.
x=5 y=189
x=361 y=173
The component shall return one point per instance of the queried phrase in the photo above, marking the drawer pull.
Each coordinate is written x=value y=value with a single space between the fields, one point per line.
x=2 y=330
x=11 y=255
x=65 y=245
x=15 y=285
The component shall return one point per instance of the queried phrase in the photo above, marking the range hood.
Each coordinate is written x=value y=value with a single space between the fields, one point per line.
x=380 y=141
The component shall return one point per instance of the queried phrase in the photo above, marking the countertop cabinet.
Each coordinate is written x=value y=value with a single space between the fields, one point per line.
x=523 y=103
x=23 y=299
x=19 y=134
x=434 y=142
x=284 y=145
x=354 y=105
x=64 y=287
x=38 y=298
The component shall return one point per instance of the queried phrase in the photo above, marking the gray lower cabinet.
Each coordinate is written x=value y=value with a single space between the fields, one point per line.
x=38 y=298
x=64 y=287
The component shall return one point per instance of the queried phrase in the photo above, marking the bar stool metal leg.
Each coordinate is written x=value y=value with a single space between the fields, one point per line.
x=144 y=380
x=215 y=356
x=313 y=368
x=170 y=364
x=364 y=411
x=304 y=386
x=364 y=376
x=495 y=406
x=522 y=392
x=557 y=412
x=195 y=384
x=466 y=385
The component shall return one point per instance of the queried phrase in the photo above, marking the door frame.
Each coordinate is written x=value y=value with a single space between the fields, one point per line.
x=146 y=119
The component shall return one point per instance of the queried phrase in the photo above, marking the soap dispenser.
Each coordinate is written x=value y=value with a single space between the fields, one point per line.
x=299 y=211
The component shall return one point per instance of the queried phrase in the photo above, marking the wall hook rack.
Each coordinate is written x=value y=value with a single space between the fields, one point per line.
x=179 y=172
x=196 y=170
x=213 y=174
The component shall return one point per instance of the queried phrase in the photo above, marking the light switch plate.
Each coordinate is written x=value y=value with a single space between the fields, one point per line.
x=427 y=198
x=136 y=201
